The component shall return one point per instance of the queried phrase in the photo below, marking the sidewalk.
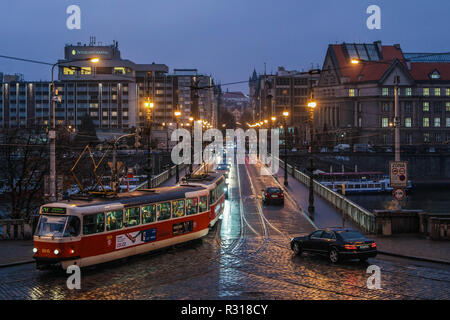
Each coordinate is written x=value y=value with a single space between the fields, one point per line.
x=16 y=251
x=408 y=246
x=414 y=246
x=324 y=214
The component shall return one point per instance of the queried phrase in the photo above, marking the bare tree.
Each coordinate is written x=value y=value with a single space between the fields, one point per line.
x=24 y=164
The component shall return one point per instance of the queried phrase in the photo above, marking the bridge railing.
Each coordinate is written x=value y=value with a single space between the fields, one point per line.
x=362 y=217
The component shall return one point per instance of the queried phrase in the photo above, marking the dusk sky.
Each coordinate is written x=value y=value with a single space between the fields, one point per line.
x=227 y=38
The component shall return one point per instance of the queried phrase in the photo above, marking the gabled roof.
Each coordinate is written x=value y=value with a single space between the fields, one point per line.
x=380 y=59
x=370 y=71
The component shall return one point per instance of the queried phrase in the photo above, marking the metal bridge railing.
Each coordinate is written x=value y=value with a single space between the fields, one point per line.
x=362 y=217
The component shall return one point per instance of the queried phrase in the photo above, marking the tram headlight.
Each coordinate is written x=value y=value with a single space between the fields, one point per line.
x=35 y=250
x=72 y=251
x=56 y=252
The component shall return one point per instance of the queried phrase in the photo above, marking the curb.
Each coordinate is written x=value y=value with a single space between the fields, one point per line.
x=387 y=253
x=16 y=263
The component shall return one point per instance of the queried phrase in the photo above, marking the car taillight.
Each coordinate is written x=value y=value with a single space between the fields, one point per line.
x=281 y=195
x=350 y=246
x=374 y=245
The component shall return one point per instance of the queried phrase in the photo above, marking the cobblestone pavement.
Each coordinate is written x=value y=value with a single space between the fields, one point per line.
x=246 y=256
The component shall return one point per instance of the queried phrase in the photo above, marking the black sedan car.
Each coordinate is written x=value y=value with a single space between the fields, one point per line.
x=272 y=195
x=337 y=243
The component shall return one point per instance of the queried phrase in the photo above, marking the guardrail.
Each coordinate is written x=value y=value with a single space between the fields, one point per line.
x=362 y=217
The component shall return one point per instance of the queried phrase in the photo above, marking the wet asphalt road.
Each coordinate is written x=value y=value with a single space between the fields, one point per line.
x=245 y=256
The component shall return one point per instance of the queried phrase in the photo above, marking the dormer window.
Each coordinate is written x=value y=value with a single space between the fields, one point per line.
x=435 y=75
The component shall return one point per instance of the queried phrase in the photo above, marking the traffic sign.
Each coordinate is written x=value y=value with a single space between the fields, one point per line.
x=399 y=194
x=398 y=174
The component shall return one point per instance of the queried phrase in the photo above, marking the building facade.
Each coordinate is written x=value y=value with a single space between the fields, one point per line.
x=112 y=92
x=272 y=94
x=356 y=101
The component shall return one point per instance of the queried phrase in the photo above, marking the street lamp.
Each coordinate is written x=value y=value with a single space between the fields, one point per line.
x=285 y=115
x=177 y=115
x=311 y=105
x=52 y=132
x=149 y=106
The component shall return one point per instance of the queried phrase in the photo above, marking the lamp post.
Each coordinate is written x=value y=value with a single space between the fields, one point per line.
x=177 y=115
x=191 y=167
x=285 y=115
x=149 y=106
x=311 y=105
x=52 y=133
x=272 y=123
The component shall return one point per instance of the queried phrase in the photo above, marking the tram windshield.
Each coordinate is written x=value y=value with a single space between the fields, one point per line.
x=53 y=226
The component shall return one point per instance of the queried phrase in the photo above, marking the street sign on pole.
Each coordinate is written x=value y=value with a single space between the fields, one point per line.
x=399 y=194
x=398 y=174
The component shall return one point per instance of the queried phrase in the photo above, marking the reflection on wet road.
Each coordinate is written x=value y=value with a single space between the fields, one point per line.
x=245 y=256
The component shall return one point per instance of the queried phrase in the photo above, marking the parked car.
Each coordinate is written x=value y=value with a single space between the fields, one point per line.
x=341 y=147
x=272 y=195
x=362 y=147
x=337 y=243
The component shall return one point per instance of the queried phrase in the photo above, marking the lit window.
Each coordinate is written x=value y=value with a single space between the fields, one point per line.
x=426 y=91
x=408 y=122
x=447 y=92
x=426 y=122
x=437 y=122
x=426 y=106
x=132 y=217
x=69 y=71
x=408 y=91
x=385 y=122
x=437 y=91
x=119 y=70
x=86 y=70
x=447 y=122
x=351 y=92
x=105 y=113
x=385 y=92
x=447 y=106
x=426 y=137
x=114 y=113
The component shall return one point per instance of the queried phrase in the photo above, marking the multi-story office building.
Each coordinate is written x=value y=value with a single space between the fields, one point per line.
x=112 y=92
x=356 y=101
x=271 y=94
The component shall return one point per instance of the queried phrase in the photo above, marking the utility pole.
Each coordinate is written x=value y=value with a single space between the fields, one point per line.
x=396 y=120
x=311 y=105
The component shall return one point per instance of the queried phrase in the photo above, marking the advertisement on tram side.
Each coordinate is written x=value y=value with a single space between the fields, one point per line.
x=135 y=238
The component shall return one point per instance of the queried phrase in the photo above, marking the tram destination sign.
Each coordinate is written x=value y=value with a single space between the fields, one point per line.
x=398 y=174
x=55 y=210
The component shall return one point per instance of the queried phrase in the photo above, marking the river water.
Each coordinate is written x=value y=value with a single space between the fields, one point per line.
x=428 y=199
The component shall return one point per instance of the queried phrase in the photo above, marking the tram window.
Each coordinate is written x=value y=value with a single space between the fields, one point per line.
x=163 y=211
x=203 y=203
x=191 y=206
x=114 y=220
x=132 y=217
x=73 y=227
x=212 y=196
x=178 y=208
x=149 y=213
x=93 y=223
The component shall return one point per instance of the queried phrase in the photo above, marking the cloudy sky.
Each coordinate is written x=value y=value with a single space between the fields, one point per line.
x=226 y=38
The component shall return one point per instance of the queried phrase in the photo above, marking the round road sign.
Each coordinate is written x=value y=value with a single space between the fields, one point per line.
x=399 y=194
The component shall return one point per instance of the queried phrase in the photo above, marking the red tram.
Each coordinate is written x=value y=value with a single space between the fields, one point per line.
x=88 y=231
